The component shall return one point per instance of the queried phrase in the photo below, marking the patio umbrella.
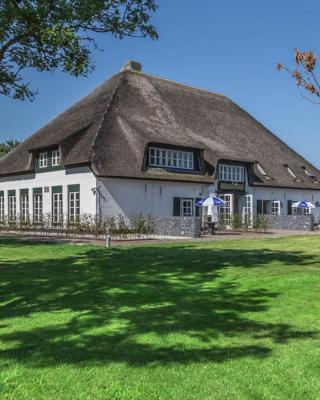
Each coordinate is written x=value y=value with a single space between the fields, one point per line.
x=303 y=204
x=210 y=201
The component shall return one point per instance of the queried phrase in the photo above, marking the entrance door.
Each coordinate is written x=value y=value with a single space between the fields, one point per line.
x=226 y=212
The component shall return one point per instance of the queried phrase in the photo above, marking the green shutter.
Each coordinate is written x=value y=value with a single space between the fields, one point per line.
x=49 y=158
x=24 y=191
x=73 y=188
x=56 y=189
x=198 y=209
x=11 y=192
x=176 y=206
x=1 y=193
x=259 y=206
x=290 y=207
x=37 y=190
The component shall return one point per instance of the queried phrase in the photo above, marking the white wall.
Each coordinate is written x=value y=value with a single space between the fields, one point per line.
x=283 y=195
x=78 y=175
x=129 y=197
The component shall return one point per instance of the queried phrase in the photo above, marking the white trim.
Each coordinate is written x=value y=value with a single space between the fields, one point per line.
x=188 y=207
x=55 y=158
x=169 y=158
x=231 y=173
x=12 y=207
x=37 y=207
x=291 y=173
x=247 y=211
x=43 y=160
x=2 y=210
x=74 y=206
x=24 y=204
x=276 y=207
x=57 y=208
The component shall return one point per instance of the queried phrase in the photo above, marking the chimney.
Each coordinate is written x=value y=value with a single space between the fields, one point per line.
x=131 y=66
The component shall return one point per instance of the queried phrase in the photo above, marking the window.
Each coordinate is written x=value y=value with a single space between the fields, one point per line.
x=232 y=173
x=186 y=207
x=291 y=173
x=24 y=205
x=12 y=205
x=55 y=158
x=226 y=211
x=261 y=170
x=308 y=173
x=57 y=205
x=248 y=210
x=1 y=206
x=263 y=206
x=170 y=158
x=276 y=208
x=37 y=205
x=74 y=203
x=306 y=211
x=312 y=176
x=43 y=160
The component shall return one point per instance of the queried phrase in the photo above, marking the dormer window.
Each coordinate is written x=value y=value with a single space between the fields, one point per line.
x=168 y=158
x=43 y=160
x=262 y=171
x=312 y=176
x=231 y=173
x=55 y=158
x=308 y=173
x=291 y=172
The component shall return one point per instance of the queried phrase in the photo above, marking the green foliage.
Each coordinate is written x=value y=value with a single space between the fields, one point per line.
x=48 y=35
x=87 y=224
x=198 y=320
x=7 y=146
x=260 y=223
x=237 y=222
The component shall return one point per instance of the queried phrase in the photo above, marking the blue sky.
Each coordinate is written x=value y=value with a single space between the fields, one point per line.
x=224 y=46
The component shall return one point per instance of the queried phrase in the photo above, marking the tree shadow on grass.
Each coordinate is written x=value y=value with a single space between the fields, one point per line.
x=142 y=305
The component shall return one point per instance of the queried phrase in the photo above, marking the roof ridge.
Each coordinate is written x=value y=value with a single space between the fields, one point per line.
x=175 y=83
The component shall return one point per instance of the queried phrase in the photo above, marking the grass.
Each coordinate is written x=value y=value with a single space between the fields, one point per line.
x=201 y=320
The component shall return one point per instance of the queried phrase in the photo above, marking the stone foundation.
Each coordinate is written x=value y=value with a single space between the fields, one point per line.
x=291 y=222
x=177 y=226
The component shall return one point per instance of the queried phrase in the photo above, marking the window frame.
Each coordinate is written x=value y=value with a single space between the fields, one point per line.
x=2 y=208
x=43 y=159
x=247 y=217
x=291 y=173
x=307 y=211
x=55 y=158
x=37 y=207
x=12 y=207
x=24 y=207
x=265 y=207
x=73 y=209
x=171 y=158
x=191 y=207
x=231 y=173
x=276 y=207
x=57 y=208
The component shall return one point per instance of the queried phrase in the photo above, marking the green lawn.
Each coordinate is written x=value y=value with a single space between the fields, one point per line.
x=220 y=320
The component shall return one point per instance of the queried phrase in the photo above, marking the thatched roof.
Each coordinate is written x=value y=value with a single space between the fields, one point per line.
x=111 y=128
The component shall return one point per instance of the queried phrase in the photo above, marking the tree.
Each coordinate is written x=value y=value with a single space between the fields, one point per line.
x=305 y=73
x=7 y=146
x=59 y=34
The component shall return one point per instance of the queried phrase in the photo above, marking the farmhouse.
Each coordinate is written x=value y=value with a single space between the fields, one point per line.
x=143 y=144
